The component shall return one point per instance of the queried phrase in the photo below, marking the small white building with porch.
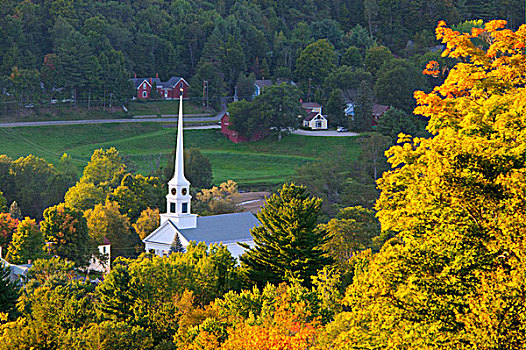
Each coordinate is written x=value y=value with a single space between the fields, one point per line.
x=314 y=119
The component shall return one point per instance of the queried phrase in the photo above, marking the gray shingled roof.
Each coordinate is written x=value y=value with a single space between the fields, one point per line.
x=222 y=228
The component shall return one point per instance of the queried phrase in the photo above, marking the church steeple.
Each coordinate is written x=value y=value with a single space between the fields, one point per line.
x=178 y=177
x=178 y=199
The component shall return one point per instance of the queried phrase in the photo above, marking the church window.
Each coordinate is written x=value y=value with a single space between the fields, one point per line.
x=172 y=207
x=184 y=208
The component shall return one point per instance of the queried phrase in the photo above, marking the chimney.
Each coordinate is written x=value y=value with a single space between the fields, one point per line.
x=157 y=75
x=150 y=81
x=135 y=75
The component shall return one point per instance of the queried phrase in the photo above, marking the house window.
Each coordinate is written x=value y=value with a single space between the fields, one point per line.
x=318 y=124
x=144 y=94
x=184 y=208
x=172 y=207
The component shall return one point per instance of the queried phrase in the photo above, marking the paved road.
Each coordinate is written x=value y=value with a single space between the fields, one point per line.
x=169 y=118
x=323 y=133
x=106 y=121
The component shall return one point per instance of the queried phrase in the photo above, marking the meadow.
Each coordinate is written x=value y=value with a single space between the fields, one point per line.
x=147 y=146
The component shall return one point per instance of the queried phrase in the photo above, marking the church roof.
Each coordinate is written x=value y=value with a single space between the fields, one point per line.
x=222 y=228
x=210 y=229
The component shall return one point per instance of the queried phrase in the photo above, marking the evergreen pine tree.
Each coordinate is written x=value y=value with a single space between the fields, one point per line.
x=177 y=246
x=15 y=211
x=363 y=108
x=287 y=244
x=154 y=94
x=8 y=291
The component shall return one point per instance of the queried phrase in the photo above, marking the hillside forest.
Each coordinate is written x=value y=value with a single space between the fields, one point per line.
x=438 y=264
x=86 y=51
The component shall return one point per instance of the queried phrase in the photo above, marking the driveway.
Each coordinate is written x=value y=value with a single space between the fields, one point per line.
x=324 y=133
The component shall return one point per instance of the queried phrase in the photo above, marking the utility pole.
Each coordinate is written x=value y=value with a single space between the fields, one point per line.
x=206 y=89
x=204 y=94
x=308 y=97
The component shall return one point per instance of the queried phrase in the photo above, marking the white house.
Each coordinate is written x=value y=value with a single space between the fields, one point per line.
x=314 y=120
x=98 y=265
x=179 y=220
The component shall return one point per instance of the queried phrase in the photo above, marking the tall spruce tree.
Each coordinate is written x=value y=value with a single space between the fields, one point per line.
x=363 y=109
x=287 y=244
x=8 y=291
x=177 y=246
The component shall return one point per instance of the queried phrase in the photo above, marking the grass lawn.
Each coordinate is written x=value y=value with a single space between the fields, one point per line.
x=147 y=146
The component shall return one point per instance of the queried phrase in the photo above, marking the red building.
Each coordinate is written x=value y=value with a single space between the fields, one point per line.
x=234 y=136
x=377 y=112
x=167 y=90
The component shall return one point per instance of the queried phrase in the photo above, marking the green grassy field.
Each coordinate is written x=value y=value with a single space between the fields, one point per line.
x=163 y=107
x=146 y=146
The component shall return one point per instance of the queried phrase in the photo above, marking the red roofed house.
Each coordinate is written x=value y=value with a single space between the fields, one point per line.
x=314 y=119
x=377 y=112
x=234 y=136
x=167 y=90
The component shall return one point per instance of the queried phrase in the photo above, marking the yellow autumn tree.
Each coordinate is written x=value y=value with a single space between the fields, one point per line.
x=454 y=277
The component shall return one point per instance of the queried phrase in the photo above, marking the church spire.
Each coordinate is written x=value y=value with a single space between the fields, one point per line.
x=178 y=199
x=179 y=177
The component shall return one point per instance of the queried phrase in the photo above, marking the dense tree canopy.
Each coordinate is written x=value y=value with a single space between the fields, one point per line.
x=66 y=230
x=457 y=203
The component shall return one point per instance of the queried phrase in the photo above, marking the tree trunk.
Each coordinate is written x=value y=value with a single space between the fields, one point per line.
x=279 y=134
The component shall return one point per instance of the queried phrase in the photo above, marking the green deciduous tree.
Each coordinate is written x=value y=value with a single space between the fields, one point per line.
x=335 y=109
x=372 y=159
x=315 y=63
x=35 y=186
x=287 y=243
x=84 y=196
x=105 y=168
x=27 y=243
x=352 y=57
x=197 y=168
x=375 y=58
x=395 y=121
x=245 y=118
x=352 y=231
x=8 y=226
x=147 y=222
x=245 y=86
x=136 y=193
x=280 y=106
x=105 y=220
x=396 y=82
x=67 y=231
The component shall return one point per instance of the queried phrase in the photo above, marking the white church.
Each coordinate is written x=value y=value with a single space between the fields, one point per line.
x=227 y=229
